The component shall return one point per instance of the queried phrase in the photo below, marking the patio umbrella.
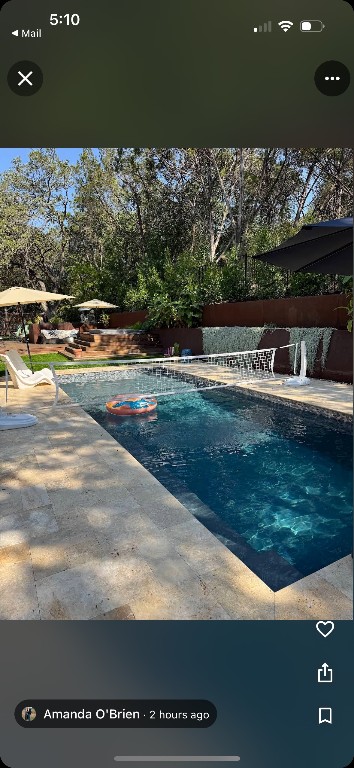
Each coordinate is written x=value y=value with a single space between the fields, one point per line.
x=21 y=296
x=96 y=304
x=325 y=248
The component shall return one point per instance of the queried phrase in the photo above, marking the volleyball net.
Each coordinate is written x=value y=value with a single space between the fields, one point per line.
x=177 y=375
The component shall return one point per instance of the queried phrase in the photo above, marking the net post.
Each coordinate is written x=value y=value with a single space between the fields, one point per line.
x=303 y=368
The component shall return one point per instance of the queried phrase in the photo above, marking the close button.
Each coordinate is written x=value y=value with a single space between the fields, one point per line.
x=25 y=78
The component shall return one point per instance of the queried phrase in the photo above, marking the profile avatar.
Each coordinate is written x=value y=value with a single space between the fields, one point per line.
x=28 y=714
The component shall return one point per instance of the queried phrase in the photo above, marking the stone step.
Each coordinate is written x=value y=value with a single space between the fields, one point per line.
x=116 y=356
x=118 y=348
x=96 y=356
x=77 y=345
x=107 y=340
x=89 y=346
x=70 y=354
x=116 y=344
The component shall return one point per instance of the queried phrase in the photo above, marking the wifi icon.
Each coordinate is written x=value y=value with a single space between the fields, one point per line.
x=285 y=25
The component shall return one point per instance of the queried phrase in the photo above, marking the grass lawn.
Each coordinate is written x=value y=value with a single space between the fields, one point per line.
x=42 y=361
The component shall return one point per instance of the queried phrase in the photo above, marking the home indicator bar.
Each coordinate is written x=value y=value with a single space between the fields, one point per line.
x=177 y=758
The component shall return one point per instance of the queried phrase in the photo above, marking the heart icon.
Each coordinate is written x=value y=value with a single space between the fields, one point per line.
x=325 y=627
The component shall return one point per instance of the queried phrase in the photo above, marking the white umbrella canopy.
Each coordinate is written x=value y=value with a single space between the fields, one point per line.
x=96 y=304
x=19 y=295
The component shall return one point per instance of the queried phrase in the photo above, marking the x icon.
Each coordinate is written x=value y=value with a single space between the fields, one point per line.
x=25 y=78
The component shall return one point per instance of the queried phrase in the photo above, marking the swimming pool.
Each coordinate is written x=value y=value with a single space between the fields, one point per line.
x=273 y=482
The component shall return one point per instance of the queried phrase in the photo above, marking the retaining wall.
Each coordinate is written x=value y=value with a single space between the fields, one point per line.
x=301 y=311
x=297 y=312
x=339 y=363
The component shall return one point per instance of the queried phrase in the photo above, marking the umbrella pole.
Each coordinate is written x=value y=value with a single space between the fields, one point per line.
x=26 y=339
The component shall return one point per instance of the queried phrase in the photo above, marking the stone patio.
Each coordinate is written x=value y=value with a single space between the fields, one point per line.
x=87 y=533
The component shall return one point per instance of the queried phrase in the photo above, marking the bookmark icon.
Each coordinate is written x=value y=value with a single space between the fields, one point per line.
x=325 y=715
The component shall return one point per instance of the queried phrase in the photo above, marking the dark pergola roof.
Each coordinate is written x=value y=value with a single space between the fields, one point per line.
x=325 y=248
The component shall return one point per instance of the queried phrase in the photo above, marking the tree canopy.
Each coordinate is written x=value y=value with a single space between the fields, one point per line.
x=151 y=227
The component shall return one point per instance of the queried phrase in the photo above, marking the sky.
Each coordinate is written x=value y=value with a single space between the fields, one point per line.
x=7 y=156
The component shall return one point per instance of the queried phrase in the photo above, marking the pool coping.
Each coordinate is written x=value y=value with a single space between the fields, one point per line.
x=297 y=405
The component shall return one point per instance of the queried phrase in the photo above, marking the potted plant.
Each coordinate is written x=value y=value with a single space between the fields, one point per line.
x=104 y=320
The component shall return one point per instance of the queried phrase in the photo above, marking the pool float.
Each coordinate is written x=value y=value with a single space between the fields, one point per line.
x=131 y=405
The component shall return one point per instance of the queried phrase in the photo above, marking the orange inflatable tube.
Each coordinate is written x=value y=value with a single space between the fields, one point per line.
x=131 y=405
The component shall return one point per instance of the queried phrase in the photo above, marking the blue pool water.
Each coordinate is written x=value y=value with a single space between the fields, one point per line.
x=273 y=482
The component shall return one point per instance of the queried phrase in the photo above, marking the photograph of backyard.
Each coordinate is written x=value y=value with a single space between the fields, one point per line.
x=176 y=373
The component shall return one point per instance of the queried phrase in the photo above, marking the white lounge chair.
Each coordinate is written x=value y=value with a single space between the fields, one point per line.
x=21 y=376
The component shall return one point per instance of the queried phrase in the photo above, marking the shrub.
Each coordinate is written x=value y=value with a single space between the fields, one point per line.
x=348 y=287
x=137 y=326
x=104 y=319
x=307 y=284
x=312 y=338
x=234 y=339
x=68 y=314
x=148 y=284
x=162 y=312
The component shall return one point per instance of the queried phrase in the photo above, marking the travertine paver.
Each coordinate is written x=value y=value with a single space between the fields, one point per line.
x=331 y=395
x=18 y=597
x=86 y=532
x=327 y=593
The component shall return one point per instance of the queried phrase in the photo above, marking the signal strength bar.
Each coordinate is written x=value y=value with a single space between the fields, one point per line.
x=266 y=27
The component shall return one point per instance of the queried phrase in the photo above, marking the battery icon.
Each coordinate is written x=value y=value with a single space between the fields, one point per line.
x=312 y=26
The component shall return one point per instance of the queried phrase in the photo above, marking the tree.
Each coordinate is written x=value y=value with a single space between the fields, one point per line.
x=35 y=201
x=123 y=223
